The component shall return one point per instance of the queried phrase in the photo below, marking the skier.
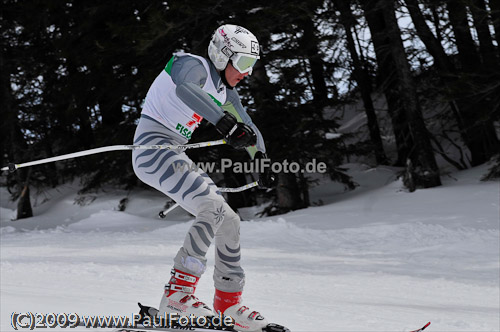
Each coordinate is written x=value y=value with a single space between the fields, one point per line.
x=189 y=89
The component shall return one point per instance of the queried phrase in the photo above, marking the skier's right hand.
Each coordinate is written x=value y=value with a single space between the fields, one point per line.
x=237 y=134
x=226 y=123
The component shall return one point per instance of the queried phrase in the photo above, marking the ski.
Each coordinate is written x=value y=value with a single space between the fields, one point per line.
x=269 y=328
x=149 y=329
x=149 y=317
x=423 y=328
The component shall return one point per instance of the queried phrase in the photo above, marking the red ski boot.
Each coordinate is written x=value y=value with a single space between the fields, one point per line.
x=229 y=304
x=179 y=298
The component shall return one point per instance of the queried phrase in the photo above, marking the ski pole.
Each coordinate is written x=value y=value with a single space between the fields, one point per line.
x=239 y=189
x=12 y=167
x=164 y=213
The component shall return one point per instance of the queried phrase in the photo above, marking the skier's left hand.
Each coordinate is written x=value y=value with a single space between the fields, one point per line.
x=267 y=178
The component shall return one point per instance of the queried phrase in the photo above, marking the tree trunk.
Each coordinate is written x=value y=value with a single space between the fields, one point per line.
x=432 y=44
x=388 y=79
x=467 y=53
x=486 y=48
x=305 y=190
x=495 y=16
x=478 y=135
x=444 y=66
x=422 y=154
x=407 y=115
x=51 y=168
x=24 y=204
x=110 y=106
x=11 y=133
x=479 y=130
x=288 y=193
x=436 y=20
x=75 y=105
x=364 y=82
x=8 y=118
x=309 y=43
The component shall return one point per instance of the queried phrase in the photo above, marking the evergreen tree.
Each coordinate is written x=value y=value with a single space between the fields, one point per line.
x=414 y=147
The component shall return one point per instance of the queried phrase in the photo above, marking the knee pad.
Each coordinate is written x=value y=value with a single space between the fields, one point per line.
x=189 y=264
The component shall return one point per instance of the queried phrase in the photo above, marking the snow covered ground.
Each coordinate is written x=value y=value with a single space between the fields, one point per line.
x=374 y=259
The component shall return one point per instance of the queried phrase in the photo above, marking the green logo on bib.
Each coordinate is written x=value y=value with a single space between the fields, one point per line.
x=184 y=131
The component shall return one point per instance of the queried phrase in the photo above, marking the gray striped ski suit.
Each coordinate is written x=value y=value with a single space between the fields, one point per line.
x=195 y=82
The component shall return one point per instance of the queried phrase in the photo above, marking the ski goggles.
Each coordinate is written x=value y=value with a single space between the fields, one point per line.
x=244 y=62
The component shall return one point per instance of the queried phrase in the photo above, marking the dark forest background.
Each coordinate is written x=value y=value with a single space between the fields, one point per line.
x=74 y=74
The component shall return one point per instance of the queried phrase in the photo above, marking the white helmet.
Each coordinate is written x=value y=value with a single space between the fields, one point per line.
x=235 y=43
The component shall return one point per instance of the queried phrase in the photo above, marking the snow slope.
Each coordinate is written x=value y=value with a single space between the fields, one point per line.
x=374 y=259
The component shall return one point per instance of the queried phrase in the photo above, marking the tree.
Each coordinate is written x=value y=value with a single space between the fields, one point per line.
x=486 y=48
x=13 y=143
x=308 y=43
x=479 y=131
x=363 y=80
x=414 y=143
x=495 y=16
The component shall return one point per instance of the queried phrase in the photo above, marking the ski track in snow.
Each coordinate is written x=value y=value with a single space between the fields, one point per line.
x=375 y=259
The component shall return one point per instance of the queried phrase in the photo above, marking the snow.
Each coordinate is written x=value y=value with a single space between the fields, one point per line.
x=374 y=259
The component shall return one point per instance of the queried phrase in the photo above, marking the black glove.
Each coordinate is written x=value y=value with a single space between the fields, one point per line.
x=226 y=123
x=266 y=176
x=241 y=136
x=237 y=134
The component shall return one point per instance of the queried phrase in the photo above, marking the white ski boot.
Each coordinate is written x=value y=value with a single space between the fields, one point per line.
x=229 y=304
x=178 y=297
